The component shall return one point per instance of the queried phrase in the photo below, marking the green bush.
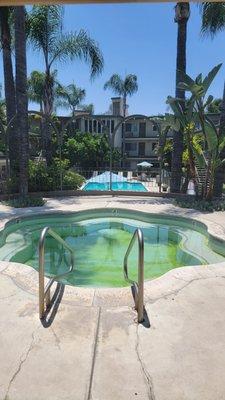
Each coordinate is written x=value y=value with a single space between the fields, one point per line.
x=72 y=180
x=201 y=205
x=39 y=177
x=43 y=178
x=25 y=202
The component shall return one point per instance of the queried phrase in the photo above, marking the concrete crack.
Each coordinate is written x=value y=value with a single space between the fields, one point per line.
x=145 y=373
x=176 y=292
x=7 y=297
x=89 y=395
x=17 y=284
x=23 y=359
x=57 y=340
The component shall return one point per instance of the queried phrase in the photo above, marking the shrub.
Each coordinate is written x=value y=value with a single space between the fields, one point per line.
x=43 y=178
x=25 y=202
x=72 y=180
x=201 y=205
x=39 y=178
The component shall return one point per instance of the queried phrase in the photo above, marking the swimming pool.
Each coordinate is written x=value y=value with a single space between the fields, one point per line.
x=129 y=186
x=100 y=239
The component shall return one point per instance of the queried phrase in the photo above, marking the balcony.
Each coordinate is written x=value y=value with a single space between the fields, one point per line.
x=136 y=136
x=132 y=154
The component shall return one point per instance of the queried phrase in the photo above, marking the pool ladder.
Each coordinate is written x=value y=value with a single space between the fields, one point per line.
x=138 y=286
x=45 y=292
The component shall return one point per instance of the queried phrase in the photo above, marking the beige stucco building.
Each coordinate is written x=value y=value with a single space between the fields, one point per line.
x=135 y=135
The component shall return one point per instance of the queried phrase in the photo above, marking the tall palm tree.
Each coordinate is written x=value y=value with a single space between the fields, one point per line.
x=182 y=13
x=71 y=96
x=21 y=96
x=213 y=21
x=123 y=87
x=10 y=98
x=46 y=35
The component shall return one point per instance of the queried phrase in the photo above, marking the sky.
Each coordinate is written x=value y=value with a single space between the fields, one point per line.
x=136 y=39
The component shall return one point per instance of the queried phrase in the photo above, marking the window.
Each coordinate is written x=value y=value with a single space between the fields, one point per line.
x=154 y=145
x=142 y=149
x=90 y=126
x=99 y=127
x=142 y=129
x=95 y=126
x=86 y=125
x=112 y=125
x=130 y=146
x=154 y=128
x=134 y=127
x=127 y=127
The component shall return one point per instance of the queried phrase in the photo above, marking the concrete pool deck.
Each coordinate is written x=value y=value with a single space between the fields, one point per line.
x=92 y=348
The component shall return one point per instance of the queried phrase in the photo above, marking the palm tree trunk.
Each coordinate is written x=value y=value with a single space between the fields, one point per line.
x=220 y=172
x=48 y=109
x=10 y=96
x=182 y=14
x=123 y=128
x=21 y=96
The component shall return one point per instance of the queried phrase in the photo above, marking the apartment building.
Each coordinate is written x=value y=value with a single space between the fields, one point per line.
x=137 y=137
x=140 y=142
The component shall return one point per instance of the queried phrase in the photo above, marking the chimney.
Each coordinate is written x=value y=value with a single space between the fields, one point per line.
x=117 y=106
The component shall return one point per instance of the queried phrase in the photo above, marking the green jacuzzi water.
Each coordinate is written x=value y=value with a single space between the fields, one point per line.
x=100 y=239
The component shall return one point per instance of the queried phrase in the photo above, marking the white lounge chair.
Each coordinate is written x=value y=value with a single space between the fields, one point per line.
x=129 y=175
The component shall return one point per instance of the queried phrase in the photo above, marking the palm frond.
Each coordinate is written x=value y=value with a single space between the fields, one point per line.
x=78 y=45
x=116 y=84
x=44 y=26
x=213 y=17
x=71 y=95
x=130 y=84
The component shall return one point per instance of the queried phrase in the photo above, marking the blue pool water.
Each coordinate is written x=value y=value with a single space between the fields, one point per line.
x=130 y=186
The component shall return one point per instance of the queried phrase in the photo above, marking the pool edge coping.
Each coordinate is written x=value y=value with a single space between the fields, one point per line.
x=26 y=278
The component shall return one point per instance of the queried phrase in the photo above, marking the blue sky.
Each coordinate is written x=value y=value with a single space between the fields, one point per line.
x=138 y=39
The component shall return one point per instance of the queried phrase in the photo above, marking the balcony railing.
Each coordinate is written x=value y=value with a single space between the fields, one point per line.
x=131 y=135
x=140 y=155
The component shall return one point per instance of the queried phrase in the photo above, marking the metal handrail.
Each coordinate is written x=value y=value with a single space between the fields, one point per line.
x=44 y=292
x=138 y=286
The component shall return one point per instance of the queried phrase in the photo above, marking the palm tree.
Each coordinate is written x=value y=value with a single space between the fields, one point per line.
x=45 y=32
x=36 y=83
x=71 y=96
x=10 y=98
x=123 y=87
x=182 y=13
x=213 y=21
x=36 y=87
x=88 y=108
x=21 y=97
